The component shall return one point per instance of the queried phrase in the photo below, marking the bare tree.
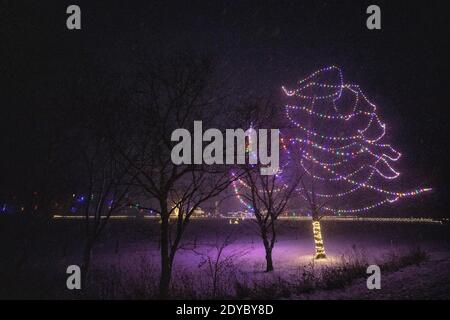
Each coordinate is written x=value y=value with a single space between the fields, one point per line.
x=108 y=184
x=98 y=134
x=169 y=94
x=267 y=197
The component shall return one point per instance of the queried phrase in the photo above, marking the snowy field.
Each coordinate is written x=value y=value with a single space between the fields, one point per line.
x=126 y=260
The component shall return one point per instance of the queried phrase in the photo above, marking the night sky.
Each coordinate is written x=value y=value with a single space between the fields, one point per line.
x=260 y=46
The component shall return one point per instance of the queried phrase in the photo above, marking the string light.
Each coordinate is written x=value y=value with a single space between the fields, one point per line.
x=344 y=153
x=358 y=148
x=346 y=162
x=318 y=241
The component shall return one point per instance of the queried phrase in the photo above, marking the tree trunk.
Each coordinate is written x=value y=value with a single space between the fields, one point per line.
x=166 y=269
x=318 y=240
x=267 y=247
x=269 y=262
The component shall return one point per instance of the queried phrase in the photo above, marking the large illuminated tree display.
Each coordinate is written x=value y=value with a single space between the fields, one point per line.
x=341 y=149
x=341 y=142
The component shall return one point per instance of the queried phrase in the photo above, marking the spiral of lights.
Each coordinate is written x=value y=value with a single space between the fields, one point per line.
x=347 y=162
x=341 y=136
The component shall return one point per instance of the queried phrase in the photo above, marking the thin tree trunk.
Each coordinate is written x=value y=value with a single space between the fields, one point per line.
x=318 y=240
x=268 y=248
x=269 y=262
x=166 y=270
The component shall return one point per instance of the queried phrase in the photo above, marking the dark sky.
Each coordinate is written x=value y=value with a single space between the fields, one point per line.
x=261 y=45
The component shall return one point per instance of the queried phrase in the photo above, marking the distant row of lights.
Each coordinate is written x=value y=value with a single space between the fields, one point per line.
x=237 y=220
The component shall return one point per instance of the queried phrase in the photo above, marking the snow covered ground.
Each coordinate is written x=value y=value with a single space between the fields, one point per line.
x=126 y=260
x=293 y=252
x=429 y=280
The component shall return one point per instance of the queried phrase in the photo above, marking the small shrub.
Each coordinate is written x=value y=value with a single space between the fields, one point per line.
x=306 y=279
x=242 y=289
